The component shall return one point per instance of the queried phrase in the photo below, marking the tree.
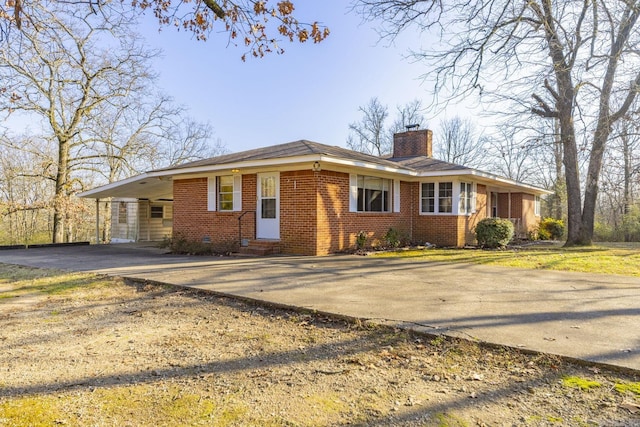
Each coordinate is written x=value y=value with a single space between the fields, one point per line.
x=458 y=143
x=258 y=25
x=370 y=135
x=571 y=61
x=61 y=71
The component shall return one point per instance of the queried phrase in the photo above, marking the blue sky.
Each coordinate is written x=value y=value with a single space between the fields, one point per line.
x=312 y=91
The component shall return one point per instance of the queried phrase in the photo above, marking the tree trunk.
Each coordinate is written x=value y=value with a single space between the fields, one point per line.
x=60 y=197
x=626 y=201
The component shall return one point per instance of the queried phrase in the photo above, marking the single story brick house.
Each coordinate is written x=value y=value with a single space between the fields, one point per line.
x=313 y=199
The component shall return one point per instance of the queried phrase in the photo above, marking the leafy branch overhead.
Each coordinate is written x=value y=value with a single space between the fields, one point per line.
x=258 y=25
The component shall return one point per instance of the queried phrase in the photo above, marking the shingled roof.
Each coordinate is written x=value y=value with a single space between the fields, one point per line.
x=291 y=149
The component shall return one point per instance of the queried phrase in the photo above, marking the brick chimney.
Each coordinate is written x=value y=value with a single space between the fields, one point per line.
x=413 y=143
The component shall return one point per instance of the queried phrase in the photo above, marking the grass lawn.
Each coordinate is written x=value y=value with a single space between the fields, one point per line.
x=607 y=258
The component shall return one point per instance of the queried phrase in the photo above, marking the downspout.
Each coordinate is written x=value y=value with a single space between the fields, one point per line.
x=97 y=221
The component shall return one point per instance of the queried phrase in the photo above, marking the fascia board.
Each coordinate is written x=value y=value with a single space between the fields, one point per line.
x=367 y=165
x=127 y=181
x=488 y=176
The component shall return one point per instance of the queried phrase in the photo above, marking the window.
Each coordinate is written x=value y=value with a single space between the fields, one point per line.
x=428 y=197
x=373 y=194
x=122 y=213
x=467 y=198
x=157 y=212
x=225 y=192
x=494 y=205
x=445 y=197
x=536 y=206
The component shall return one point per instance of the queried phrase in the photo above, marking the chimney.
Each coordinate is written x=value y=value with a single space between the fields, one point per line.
x=413 y=143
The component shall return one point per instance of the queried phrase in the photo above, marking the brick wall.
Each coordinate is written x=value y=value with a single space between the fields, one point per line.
x=315 y=217
x=522 y=210
x=298 y=213
x=193 y=221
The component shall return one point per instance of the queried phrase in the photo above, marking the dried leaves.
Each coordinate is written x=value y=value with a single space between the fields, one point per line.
x=259 y=24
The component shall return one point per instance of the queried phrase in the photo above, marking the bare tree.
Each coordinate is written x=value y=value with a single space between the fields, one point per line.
x=408 y=114
x=459 y=143
x=60 y=71
x=368 y=135
x=571 y=61
x=511 y=155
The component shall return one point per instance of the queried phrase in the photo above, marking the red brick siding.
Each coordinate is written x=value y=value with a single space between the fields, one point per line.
x=298 y=213
x=249 y=203
x=193 y=221
x=522 y=210
x=337 y=227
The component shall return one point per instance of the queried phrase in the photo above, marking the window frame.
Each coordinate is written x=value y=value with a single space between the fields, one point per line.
x=446 y=198
x=536 y=205
x=214 y=202
x=123 y=213
x=467 y=198
x=366 y=194
x=390 y=189
x=154 y=215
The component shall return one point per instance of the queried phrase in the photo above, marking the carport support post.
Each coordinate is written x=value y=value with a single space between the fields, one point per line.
x=97 y=221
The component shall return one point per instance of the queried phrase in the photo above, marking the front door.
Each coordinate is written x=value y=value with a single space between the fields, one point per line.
x=268 y=212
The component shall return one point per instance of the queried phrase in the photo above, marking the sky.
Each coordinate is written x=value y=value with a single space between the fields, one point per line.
x=312 y=91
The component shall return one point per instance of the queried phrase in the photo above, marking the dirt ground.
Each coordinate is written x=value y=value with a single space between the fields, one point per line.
x=85 y=350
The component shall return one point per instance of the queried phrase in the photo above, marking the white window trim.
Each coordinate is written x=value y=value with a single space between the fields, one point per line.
x=537 y=202
x=455 y=209
x=474 y=191
x=212 y=193
x=394 y=202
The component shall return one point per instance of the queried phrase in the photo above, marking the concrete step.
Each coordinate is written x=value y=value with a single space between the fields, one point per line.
x=261 y=247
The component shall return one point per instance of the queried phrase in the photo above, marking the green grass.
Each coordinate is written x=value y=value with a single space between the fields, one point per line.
x=633 y=388
x=606 y=258
x=16 y=281
x=581 y=383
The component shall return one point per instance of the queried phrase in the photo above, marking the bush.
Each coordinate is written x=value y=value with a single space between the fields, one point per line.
x=494 y=232
x=179 y=244
x=550 y=229
x=392 y=238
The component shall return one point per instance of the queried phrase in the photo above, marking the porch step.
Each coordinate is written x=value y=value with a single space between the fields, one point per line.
x=261 y=247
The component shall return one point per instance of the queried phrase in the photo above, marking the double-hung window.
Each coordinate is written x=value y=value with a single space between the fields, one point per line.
x=428 y=197
x=445 y=197
x=536 y=206
x=467 y=199
x=224 y=193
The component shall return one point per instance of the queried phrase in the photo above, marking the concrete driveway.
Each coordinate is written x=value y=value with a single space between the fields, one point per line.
x=585 y=316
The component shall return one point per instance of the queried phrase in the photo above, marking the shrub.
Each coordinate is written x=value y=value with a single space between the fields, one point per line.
x=550 y=229
x=494 y=232
x=392 y=238
x=179 y=244
x=361 y=240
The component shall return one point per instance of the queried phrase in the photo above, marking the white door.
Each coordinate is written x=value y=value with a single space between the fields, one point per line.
x=268 y=212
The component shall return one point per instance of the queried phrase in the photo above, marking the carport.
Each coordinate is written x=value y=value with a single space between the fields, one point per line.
x=146 y=191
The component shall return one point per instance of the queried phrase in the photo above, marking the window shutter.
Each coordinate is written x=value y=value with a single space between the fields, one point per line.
x=211 y=193
x=396 y=195
x=353 y=192
x=237 y=192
